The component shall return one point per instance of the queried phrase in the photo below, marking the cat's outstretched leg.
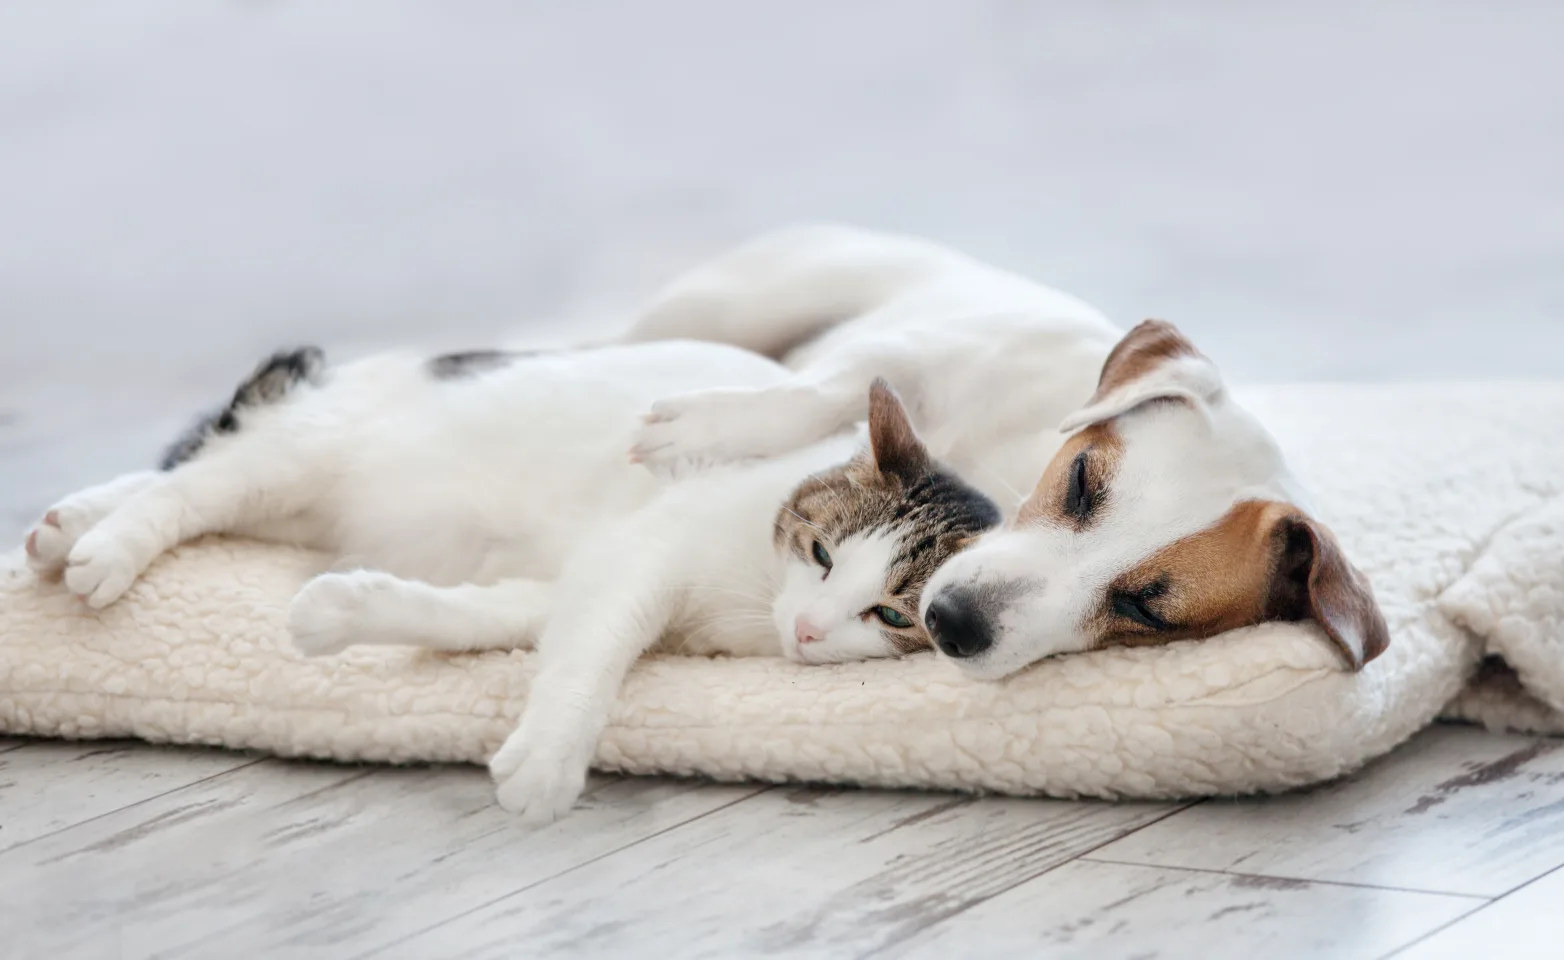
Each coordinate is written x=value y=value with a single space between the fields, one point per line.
x=614 y=603
x=51 y=540
x=240 y=469
x=337 y=610
x=241 y=486
x=726 y=426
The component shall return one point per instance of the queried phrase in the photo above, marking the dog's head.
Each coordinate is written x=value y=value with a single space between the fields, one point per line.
x=1168 y=514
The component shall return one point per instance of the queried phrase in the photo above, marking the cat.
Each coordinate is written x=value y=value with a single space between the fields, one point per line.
x=489 y=501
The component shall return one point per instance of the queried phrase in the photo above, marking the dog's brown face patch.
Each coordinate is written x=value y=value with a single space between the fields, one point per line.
x=1216 y=580
x=1263 y=561
x=1077 y=484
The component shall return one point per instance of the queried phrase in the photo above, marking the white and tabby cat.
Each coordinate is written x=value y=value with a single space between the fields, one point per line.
x=489 y=498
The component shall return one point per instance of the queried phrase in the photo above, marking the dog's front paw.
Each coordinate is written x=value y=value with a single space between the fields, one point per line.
x=540 y=782
x=100 y=568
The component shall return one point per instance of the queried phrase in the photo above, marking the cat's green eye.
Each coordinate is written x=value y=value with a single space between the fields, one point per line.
x=893 y=617
x=821 y=557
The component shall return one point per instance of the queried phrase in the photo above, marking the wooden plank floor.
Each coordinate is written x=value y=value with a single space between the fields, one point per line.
x=129 y=850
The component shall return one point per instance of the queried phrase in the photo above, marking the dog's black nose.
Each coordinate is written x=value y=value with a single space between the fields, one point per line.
x=957 y=625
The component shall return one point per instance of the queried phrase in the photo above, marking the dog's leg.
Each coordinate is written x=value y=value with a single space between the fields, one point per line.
x=51 y=540
x=614 y=602
x=771 y=295
x=337 y=610
x=784 y=288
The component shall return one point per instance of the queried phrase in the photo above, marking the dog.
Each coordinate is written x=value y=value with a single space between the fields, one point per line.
x=1146 y=505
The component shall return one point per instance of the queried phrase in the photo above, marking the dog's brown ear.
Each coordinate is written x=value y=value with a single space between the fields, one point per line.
x=892 y=441
x=1154 y=361
x=1312 y=580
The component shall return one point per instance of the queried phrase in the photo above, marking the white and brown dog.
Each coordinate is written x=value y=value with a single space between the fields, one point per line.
x=1164 y=510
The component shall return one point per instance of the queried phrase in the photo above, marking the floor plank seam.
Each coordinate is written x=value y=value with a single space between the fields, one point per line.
x=553 y=876
x=1479 y=908
x=1492 y=901
x=1022 y=881
x=129 y=806
x=1274 y=876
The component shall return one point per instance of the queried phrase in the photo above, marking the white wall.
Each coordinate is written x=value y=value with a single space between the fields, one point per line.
x=1312 y=190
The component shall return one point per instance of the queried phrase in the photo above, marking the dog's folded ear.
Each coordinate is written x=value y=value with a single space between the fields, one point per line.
x=1154 y=361
x=1312 y=580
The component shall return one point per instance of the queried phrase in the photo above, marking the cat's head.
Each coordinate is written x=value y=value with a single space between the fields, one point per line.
x=859 y=542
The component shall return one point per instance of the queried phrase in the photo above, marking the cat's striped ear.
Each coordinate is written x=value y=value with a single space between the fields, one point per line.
x=894 y=444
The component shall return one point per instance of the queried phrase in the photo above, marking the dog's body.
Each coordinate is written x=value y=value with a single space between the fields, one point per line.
x=1164 y=511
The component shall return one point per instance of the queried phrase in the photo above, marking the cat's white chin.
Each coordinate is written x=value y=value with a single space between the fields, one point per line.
x=798 y=653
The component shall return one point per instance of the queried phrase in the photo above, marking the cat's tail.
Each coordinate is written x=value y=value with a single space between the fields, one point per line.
x=273 y=379
x=788 y=287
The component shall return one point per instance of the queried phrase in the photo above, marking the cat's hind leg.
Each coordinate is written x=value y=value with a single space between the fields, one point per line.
x=51 y=539
x=241 y=468
x=239 y=486
x=338 y=610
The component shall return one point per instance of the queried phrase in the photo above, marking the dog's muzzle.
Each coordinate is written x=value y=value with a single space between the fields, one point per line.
x=958 y=624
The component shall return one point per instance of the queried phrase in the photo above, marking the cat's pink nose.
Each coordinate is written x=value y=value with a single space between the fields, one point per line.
x=804 y=631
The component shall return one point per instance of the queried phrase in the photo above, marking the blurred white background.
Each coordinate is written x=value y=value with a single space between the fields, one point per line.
x=1325 y=190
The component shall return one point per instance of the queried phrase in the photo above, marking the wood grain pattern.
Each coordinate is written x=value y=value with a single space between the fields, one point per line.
x=1093 y=910
x=801 y=871
x=47 y=786
x=1456 y=810
x=307 y=859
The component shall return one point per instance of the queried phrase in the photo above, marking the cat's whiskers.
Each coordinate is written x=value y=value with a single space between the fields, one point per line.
x=758 y=598
x=729 y=617
x=764 y=581
x=710 y=624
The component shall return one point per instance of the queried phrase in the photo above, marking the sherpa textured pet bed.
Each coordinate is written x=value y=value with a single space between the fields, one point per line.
x=1450 y=497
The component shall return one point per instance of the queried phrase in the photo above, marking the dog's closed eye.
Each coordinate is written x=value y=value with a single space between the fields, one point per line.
x=1079 y=498
x=1136 y=606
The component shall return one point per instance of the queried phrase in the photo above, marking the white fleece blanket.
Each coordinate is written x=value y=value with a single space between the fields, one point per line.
x=1450 y=497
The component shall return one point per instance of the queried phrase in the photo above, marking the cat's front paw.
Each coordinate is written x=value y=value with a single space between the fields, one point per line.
x=540 y=779
x=330 y=613
x=724 y=426
x=100 y=568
